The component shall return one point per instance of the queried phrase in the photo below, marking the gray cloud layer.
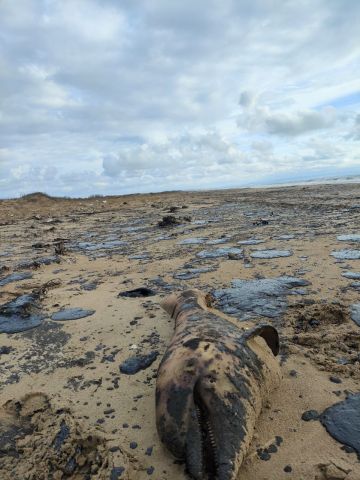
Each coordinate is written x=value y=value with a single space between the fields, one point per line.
x=107 y=96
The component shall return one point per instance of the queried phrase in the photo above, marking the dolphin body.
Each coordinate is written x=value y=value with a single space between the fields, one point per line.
x=211 y=384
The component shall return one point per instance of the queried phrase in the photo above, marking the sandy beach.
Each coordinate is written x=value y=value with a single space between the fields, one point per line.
x=295 y=252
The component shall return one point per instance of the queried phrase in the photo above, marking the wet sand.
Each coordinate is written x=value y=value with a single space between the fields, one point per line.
x=81 y=254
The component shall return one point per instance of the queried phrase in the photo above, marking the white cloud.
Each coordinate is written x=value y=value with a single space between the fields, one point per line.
x=185 y=154
x=299 y=122
x=134 y=86
x=259 y=117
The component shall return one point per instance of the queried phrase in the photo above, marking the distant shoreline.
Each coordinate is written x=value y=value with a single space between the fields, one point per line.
x=348 y=179
x=317 y=181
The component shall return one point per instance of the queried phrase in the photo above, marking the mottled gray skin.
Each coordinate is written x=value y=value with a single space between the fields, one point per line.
x=211 y=385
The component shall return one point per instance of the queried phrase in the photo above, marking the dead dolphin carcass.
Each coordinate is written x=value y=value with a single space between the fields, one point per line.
x=211 y=385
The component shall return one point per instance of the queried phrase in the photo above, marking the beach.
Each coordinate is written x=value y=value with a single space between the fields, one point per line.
x=291 y=256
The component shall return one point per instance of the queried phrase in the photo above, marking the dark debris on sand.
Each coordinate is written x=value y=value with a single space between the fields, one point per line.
x=133 y=365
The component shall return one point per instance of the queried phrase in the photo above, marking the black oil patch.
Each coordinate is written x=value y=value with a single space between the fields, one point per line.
x=265 y=297
x=9 y=436
x=138 y=292
x=23 y=313
x=15 y=277
x=342 y=421
x=133 y=365
x=45 y=353
x=71 y=314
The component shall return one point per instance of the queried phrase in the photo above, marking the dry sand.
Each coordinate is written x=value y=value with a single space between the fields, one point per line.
x=102 y=420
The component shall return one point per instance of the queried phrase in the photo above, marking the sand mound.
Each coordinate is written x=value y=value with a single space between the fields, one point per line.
x=330 y=338
x=319 y=315
x=39 y=442
x=37 y=196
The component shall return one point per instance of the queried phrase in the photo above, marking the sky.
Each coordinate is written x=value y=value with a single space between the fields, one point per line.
x=112 y=97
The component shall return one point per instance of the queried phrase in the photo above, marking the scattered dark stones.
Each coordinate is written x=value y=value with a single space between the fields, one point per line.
x=133 y=365
x=266 y=297
x=342 y=421
x=150 y=470
x=71 y=314
x=114 y=449
x=110 y=357
x=109 y=411
x=169 y=221
x=335 y=379
x=15 y=277
x=137 y=292
x=310 y=415
x=346 y=254
x=149 y=451
x=261 y=222
x=263 y=454
x=272 y=253
x=272 y=448
x=21 y=314
x=133 y=445
x=5 y=350
x=116 y=473
x=288 y=469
